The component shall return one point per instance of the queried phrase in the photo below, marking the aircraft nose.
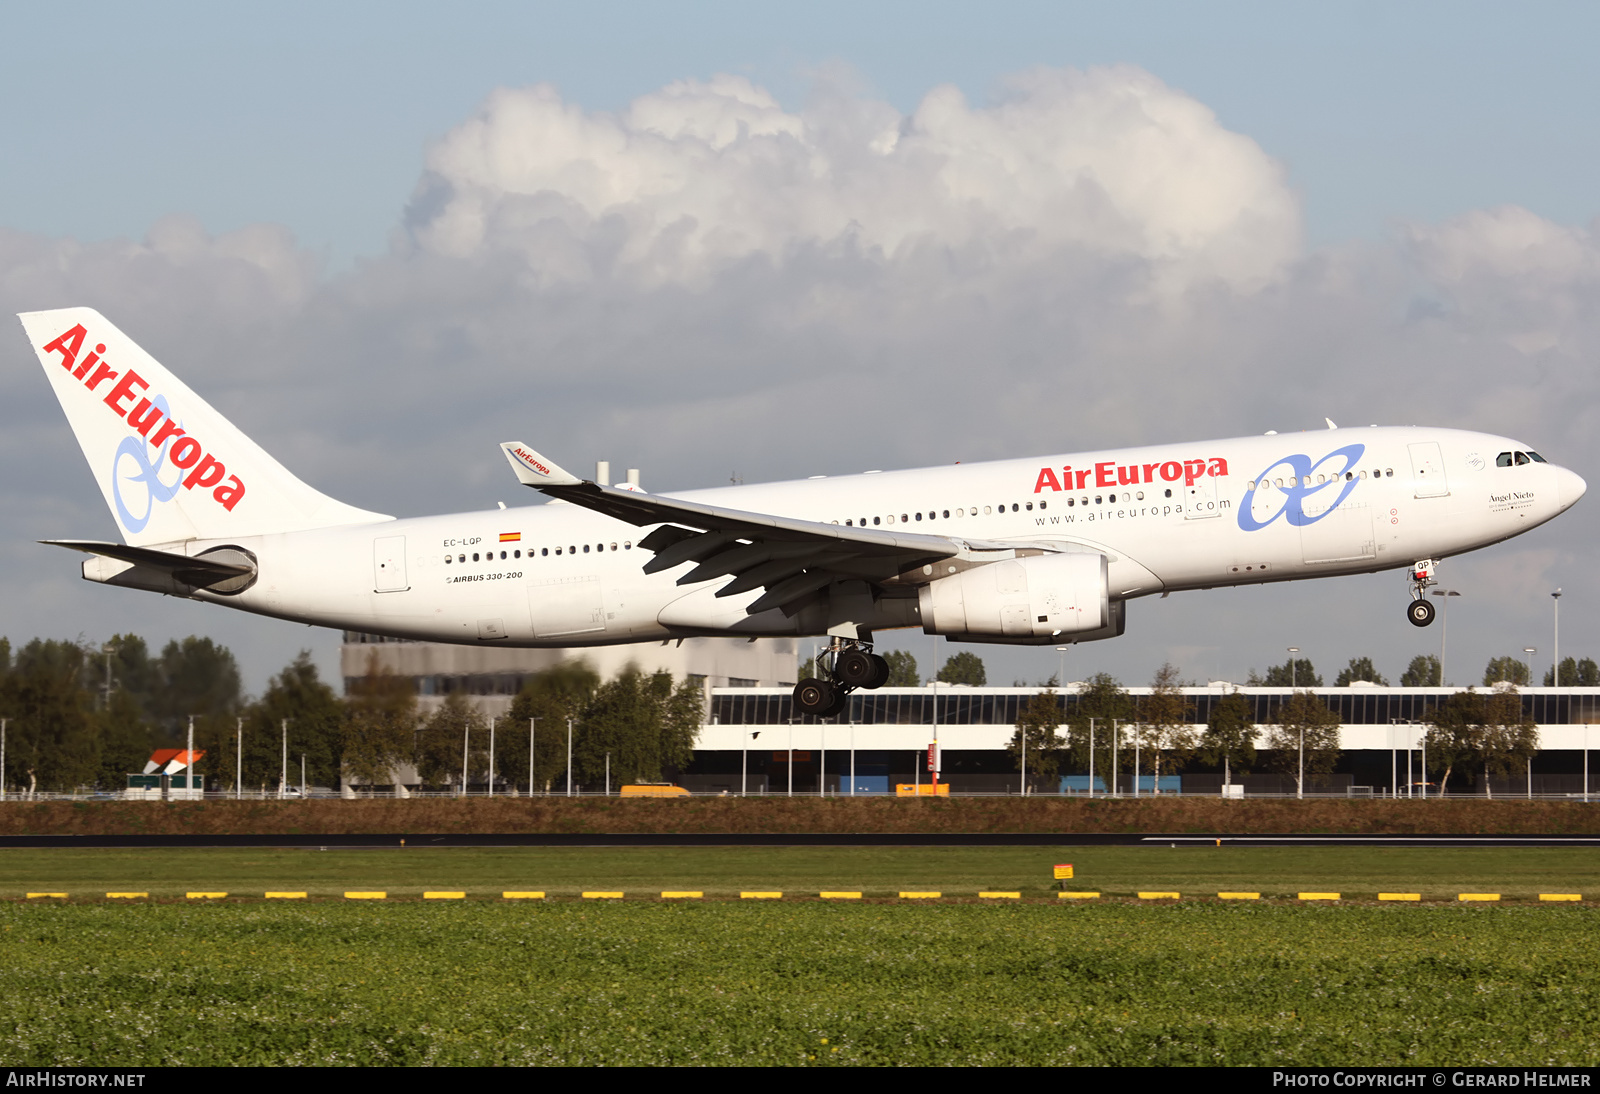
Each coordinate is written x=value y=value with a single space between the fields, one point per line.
x=1569 y=487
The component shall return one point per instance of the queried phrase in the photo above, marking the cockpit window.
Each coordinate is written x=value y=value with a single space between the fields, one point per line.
x=1503 y=460
x=1522 y=458
x=1536 y=458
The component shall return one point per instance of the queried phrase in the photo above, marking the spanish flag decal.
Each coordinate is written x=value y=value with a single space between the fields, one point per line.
x=510 y=537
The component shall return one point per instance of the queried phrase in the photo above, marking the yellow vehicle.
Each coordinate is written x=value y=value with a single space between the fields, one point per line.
x=654 y=790
x=922 y=790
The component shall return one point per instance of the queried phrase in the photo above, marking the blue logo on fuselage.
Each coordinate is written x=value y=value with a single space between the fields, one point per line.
x=1301 y=470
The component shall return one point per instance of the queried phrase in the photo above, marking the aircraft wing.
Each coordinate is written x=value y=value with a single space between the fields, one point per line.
x=787 y=557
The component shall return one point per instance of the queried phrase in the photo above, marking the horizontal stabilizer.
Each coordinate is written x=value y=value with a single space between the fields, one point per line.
x=224 y=569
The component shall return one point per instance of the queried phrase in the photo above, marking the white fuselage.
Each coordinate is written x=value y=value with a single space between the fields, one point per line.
x=1170 y=517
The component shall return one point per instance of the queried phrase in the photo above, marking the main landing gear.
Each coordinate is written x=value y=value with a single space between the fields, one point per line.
x=846 y=665
x=1420 y=576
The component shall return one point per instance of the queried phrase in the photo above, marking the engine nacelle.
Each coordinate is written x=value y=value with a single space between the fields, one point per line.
x=1023 y=599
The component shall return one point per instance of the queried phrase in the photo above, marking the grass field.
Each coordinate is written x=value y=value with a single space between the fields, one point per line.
x=802 y=983
x=1358 y=872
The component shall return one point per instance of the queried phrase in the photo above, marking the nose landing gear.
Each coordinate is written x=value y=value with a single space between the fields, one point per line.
x=1420 y=576
x=846 y=665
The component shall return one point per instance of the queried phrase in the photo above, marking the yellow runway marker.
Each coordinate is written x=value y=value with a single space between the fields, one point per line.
x=1158 y=896
x=1477 y=896
x=682 y=895
x=602 y=896
x=1238 y=896
x=128 y=896
x=522 y=896
x=366 y=896
x=1560 y=896
x=760 y=896
x=1000 y=896
x=286 y=896
x=1084 y=896
x=205 y=896
x=1319 y=896
x=441 y=894
x=1399 y=896
x=920 y=896
x=840 y=896
x=41 y=896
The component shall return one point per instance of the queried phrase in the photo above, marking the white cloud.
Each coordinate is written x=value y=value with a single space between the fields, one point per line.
x=697 y=176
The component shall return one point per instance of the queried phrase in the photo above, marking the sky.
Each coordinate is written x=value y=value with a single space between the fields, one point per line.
x=765 y=241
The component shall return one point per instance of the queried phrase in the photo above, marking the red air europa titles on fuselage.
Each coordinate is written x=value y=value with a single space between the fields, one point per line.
x=1109 y=473
x=187 y=453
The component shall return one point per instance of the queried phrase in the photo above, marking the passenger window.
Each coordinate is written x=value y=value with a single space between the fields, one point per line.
x=919 y=516
x=1169 y=493
x=1070 y=502
x=1140 y=497
x=847 y=522
x=1097 y=499
x=1503 y=460
x=904 y=518
x=1388 y=472
x=889 y=518
x=1030 y=507
x=474 y=556
x=448 y=560
x=585 y=548
x=516 y=554
x=613 y=546
x=558 y=551
x=546 y=551
x=874 y=520
x=985 y=510
x=627 y=545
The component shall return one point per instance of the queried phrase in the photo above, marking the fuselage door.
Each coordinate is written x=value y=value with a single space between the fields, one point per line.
x=1427 y=469
x=1200 y=499
x=389 y=565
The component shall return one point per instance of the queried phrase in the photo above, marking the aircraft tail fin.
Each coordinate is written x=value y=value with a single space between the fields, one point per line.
x=170 y=466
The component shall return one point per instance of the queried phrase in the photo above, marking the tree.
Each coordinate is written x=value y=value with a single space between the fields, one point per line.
x=1229 y=740
x=1037 y=738
x=902 y=670
x=1304 y=726
x=378 y=730
x=195 y=677
x=551 y=696
x=52 y=740
x=964 y=668
x=1505 y=670
x=1293 y=673
x=1423 y=672
x=1575 y=674
x=456 y=728
x=1360 y=668
x=1164 y=724
x=1476 y=731
x=646 y=724
x=1106 y=708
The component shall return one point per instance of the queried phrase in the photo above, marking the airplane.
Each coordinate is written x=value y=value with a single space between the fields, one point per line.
x=1033 y=551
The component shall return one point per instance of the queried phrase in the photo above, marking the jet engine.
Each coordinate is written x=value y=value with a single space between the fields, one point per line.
x=1034 y=599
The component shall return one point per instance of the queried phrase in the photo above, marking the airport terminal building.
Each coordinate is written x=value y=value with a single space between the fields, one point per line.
x=750 y=734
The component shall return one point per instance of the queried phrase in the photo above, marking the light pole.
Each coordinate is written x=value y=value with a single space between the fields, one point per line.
x=1061 y=677
x=1444 y=626
x=531 y=722
x=569 y=755
x=1292 y=666
x=1555 y=674
x=1530 y=651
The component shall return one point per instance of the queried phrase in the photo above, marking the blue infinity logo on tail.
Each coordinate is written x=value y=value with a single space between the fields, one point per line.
x=144 y=472
x=1300 y=470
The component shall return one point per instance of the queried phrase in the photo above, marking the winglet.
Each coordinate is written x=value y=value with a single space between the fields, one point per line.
x=533 y=469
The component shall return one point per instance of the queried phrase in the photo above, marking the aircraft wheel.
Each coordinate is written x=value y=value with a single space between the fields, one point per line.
x=1420 y=613
x=854 y=668
x=880 y=673
x=841 y=699
x=813 y=696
